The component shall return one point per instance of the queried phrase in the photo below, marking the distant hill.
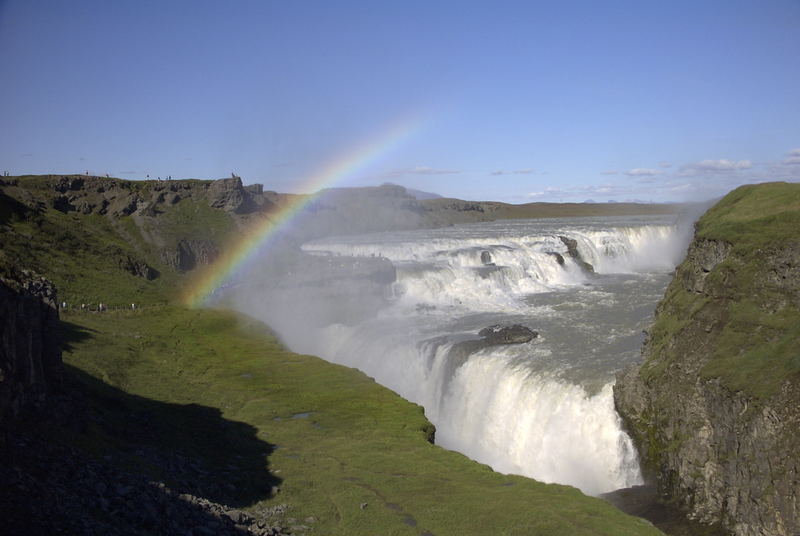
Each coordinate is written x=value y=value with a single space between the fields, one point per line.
x=416 y=194
x=420 y=195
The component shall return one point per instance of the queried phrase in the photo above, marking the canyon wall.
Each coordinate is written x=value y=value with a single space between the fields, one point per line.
x=30 y=344
x=715 y=406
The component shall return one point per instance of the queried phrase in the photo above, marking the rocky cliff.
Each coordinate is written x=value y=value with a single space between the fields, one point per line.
x=30 y=346
x=715 y=406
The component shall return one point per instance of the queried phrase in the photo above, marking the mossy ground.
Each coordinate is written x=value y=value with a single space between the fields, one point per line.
x=334 y=438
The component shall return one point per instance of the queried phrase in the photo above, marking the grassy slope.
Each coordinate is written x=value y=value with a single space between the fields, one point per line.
x=80 y=254
x=757 y=349
x=360 y=444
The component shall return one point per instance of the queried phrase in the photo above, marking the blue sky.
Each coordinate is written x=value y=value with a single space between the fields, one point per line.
x=515 y=101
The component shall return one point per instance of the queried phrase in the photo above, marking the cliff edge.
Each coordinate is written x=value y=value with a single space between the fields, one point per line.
x=715 y=406
x=30 y=343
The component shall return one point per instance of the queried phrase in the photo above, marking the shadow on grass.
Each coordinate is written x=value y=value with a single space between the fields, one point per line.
x=190 y=447
x=73 y=333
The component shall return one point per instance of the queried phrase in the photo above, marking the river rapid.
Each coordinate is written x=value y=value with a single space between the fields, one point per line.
x=544 y=408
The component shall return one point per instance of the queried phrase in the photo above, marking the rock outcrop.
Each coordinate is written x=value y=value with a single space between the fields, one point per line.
x=516 y=334
x=231 y=196
x=190 y=254
x=715 y=407
x=30 y=346
x=114 y=197
x=574 y=254
x=138 y=268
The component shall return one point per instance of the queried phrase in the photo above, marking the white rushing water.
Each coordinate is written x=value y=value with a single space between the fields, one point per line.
x=542 y=409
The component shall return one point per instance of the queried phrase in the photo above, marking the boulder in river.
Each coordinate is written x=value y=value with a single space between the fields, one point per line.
x=572 y=251
x=515 y=334
x=558 y=256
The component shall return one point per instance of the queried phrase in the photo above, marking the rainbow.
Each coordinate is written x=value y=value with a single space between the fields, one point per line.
x=256 y=237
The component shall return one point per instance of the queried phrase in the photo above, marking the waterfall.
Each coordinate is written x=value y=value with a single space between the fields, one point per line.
x=542 y=409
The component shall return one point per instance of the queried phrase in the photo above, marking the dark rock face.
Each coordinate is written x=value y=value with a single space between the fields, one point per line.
x=516 y=334
x=705 y=255
x=138 y=268
x=255 y=189
x=723 y=456
x=558 y=256
x=572 y=251
x=62 y=204
x=66 y=184
x=30 y=345
x=230 y=195
x=190 y=254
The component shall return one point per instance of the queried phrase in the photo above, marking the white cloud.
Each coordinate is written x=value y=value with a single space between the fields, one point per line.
x=792 y=158
x=706 y=167
x=642 y=172
x=422 y=170
x=664 y=165
x=681 y=187
x=526 y=171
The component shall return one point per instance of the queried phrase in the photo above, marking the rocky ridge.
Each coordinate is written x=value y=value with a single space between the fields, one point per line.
x=159 y=211
x=722 y=436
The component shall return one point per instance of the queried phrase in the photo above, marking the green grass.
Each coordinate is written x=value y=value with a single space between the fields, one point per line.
x=757 y=351
x=756 y=348
x=190 y=220
x=81 y=255
x=754 y=216
x=359 y=443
